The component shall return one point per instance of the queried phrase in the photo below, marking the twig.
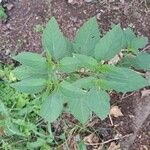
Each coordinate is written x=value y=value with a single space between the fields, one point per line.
x=111 y=121
x=108 y=141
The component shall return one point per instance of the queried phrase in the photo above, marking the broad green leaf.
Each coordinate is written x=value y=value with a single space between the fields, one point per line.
x=30 y=85
x=126 y=61
x=69 y=46
x=129 y=35
x=53 y=40
x=69 y=64
x=85 y=83
x=32 y=60
x=110 y=44
x=139 y=42
x=78 y=61
x=52 y=107
x=121 y=79
x=79 y=108
x=141 y=61
x=23 y=72
x=68 y=90
x=86 y=61
x=87 y=37
x=99 y=102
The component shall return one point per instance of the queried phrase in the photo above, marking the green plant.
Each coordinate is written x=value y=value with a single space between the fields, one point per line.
x=2 y=13
x=39 y=28
x=21 y=127
x=78 y=74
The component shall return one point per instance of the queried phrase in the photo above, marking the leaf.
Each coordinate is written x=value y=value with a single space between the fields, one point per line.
x=77 y=102
x=38 y=143
x=114 y=146
x=69 y=46
x=23 y=72
x=82 y=146
x=129 y=35
x=32 y=60
x=69 y=64
x=53 y=40
x=121 y=79
x=85 y=83
x=115 y=111
x=87 y=37
x=52 y=107
x=111 y=44
x=30 y=85
x=141 y=61
x=78 y=61
x=70 y=91
x=139 y=42
x=99 y=102
x=92 y=138
x=86 y=61
x=145 y=93
x=79 y=108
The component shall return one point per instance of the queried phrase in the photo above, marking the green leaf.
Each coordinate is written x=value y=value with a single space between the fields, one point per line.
x=82 y=146
x=139 y=42
x=32 y=60
x=69 y=64
x=121 y=79
x=53 y=40
x=111 y=44
x=99 y=102
x=129 y=35
x=23 y=72
x=141 y=61
x=78 y=61
x=30 y=85
x=38 y=143
x=69 y=46
x=52 y=107
x=86 y=61
x=87 y=37
x=85 y=83
x=68 y=90
x=79 y=108
x=77 y=102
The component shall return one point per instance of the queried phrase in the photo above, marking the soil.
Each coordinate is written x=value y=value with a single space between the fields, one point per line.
x=17 y=33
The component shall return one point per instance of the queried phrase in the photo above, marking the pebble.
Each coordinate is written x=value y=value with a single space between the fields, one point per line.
x=88 y=1
x=9 y=6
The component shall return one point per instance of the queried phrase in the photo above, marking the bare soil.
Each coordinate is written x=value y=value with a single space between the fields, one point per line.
x=17 y=34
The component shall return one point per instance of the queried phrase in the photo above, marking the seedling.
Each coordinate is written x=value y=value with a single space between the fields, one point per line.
x=2 y=13
x=78 y=74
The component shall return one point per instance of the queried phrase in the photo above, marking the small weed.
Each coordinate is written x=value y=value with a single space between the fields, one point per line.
x=39 y=28
x=2 y=13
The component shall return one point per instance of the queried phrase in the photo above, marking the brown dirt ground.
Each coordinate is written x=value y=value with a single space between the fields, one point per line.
x=17 y=34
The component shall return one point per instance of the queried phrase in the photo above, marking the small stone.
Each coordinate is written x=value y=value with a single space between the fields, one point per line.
x=9 y=6
x=88 y=1
x=70 y=1
x=98 y=16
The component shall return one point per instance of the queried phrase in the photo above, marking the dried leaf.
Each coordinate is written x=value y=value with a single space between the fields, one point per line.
x=92 y=138
x=115 y=111
x=145 y=93
x=116 y=59
x=113 y=146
